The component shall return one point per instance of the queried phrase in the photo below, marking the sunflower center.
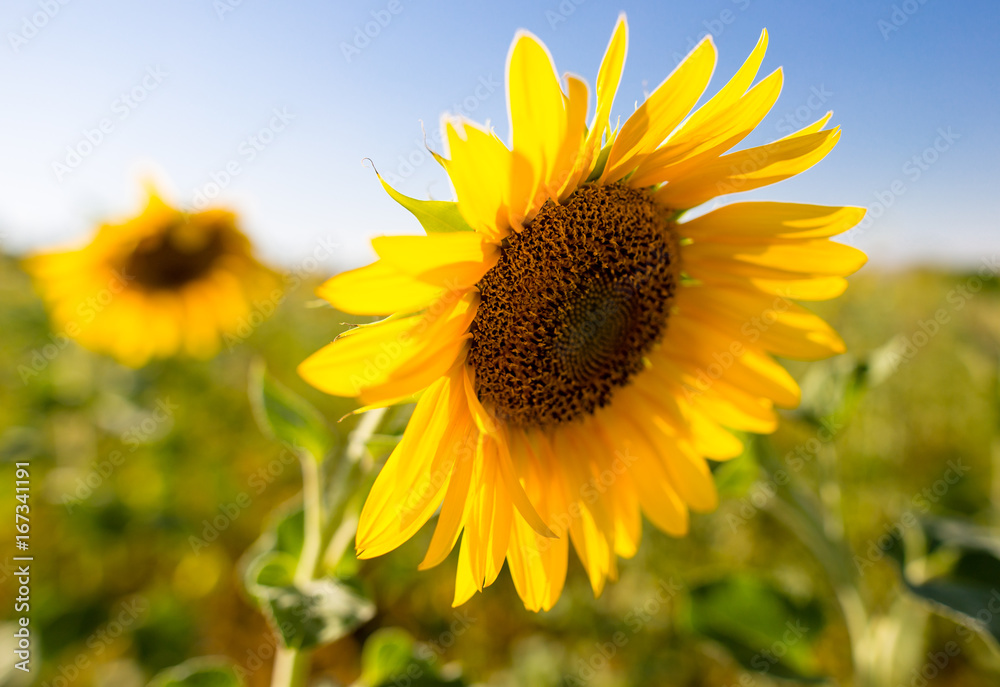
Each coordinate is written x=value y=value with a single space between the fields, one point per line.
x=174 y=257
x=573 y=305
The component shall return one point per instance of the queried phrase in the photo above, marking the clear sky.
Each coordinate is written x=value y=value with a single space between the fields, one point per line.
x=186 y=88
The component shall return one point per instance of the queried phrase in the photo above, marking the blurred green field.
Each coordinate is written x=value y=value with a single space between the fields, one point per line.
x=134 y=470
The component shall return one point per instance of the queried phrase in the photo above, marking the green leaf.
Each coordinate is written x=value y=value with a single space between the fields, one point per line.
x=272 y=569
x=391 y=657
x=198 y=672
x=763 y=628
x=318 y=612
x=734 y=478
x=286 y=416
x=965 y=560
x=435 y=216
x=303 y=615
x=833 y=388
x=386 y=655
x=601 y=162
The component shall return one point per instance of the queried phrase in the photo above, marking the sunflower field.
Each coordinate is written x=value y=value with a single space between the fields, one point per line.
x=588 y=421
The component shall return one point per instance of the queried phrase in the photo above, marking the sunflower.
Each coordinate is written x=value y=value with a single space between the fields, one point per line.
x=162 y=283
x=577 y=349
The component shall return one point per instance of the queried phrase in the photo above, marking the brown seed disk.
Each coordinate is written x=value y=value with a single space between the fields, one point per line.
x=574 y=303
x=164 y=261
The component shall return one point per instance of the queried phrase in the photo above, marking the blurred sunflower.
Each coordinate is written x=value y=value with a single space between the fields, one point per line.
x=578 y=349
x=162 y=283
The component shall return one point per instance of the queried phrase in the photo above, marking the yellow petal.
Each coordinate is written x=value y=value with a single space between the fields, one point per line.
x=692 y=147
x=455 y=261
x=771 y=322
x=516 y=491
x=379 y=527
x=657 y=495
x=608 y=78
x=748 y=169
x=661 y=112
x=537 y=113
x=721 y=122
x=709 y=355
x=764 y=221
x=377 y=289
x=808 y=256
x=573 y=159
x=478 y=166
x=743 y=275
x=455 y=508
x=395 y=357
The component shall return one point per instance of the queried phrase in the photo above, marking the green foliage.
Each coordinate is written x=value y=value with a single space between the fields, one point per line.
x=198 y=672
x=318 y=612
x=960 y=566
x=764 y=628
x=733 y=478
x=435 y=216
x=286 y=416
x=128 y=534
x=303 y=614
x=392 y=657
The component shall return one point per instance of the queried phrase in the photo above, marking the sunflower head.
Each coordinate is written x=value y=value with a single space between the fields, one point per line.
x=161 y=283
x=577 y=349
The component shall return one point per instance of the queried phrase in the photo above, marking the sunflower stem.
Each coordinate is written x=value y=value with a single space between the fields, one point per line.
x=325 y=522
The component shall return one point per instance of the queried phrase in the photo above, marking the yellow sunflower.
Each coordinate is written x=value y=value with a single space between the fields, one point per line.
x=577 y=348
x=162 y=283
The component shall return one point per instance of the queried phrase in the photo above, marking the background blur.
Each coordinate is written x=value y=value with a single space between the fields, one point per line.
x=131 y=465
x=189 y=85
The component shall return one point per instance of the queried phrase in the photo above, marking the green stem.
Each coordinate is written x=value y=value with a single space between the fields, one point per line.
x=836 y=559
x=291 y=668
x=312 y=507
x=323 y=519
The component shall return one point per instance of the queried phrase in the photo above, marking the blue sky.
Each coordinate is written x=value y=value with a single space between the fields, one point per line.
x=280 y=102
